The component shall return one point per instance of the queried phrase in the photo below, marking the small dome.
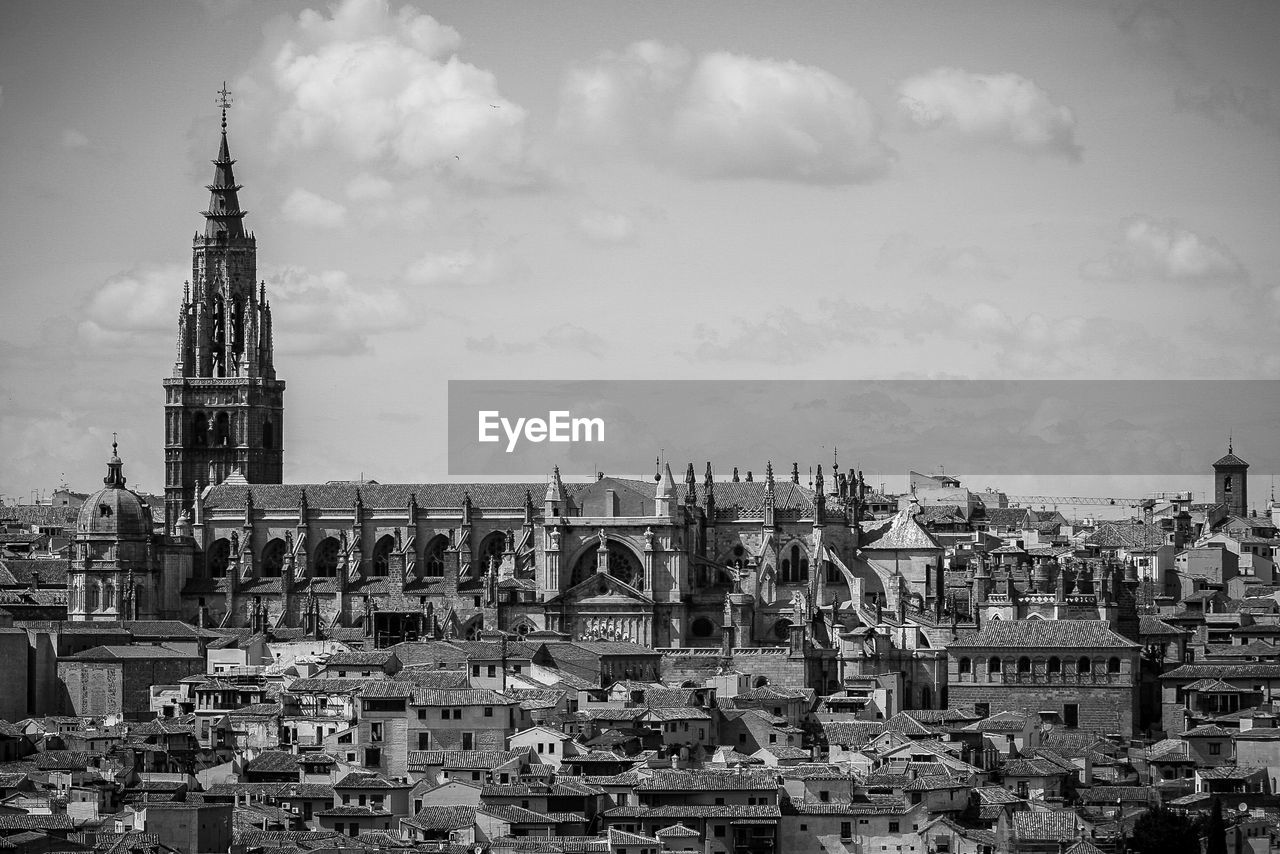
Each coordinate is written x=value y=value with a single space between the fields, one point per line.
x=115 y=511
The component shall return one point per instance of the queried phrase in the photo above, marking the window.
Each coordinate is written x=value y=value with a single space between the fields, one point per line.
x=1113 y=665
x=457 y=714
x=1084 y=665
x=444 y=714
x=824 y=796
x=982 y=710
x=846 y=830
x=1055 y=665
x=893 y=827
x=475 y=670
x=468 y=741
x=551 y=747
x=375 y=731
x=1215 y=749
x=493 y=670
x=993 y=664
x=372 y=756
x=1071 y=714
x=719 y=802
x=719 y=830
x=424 y=742
x=966 y=666
x=773 y=738
x=488 y=711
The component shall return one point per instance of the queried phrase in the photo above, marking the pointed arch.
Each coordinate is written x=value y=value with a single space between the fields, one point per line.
x=218 y=556
x=380 y=566
x=272 y=562
x=624 y=565
x=492 y=546
x=433 y=556
x=324 y=559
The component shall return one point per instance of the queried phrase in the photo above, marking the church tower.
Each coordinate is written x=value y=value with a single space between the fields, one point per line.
x=224 y=407
x=1231 y=482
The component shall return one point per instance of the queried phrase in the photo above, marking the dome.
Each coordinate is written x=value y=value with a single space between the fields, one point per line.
x=114 y=511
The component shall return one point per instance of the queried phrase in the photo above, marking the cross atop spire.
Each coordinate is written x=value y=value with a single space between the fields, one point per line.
x=224 y=101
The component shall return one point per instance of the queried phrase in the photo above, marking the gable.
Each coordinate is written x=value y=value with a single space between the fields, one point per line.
x=601 y=589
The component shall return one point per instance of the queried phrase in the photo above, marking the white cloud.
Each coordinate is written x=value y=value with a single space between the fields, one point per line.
x=996 y=108
x=73 y=139
x=386 y=89
x=463 y=267
x=306 y=208
x=565 y=337
x=365 y=187
x=904 y=252
x=137 y=307
x=603 y=226
x=1162 y=250
x=325 y=313
x=724 y=115
x=1226 y=103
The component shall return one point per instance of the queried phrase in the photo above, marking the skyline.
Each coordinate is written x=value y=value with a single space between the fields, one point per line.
x=685 y=194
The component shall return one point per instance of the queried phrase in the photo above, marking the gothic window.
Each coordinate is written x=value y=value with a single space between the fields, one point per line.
x=492 y=547
x=92 y=604
x=325 y=558
x=382 y=555
x=623 y=565
x=834 y=575
x=702 y=628
x=218 y=558
x=268 y=435
x=273 y=558
x=222 y=430
x=795 y=567
x=926 y=697
x=199 y=437
x=433 y=557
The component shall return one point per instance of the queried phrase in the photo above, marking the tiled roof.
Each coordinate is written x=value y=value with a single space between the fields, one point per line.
x=704 y=780
x=851 y=733
x=1224 y=671
x=900 y=532
x=1149 y=626
x=1126 y=535
x=679 y=811
x=1030 y=768
x=1074 y=634
x=360 y=658
x=676 y=830
x=273 y=762
x=873 y=806
x=1045 y=826
x=470 y=760
x=460 y=697
x=454 y=817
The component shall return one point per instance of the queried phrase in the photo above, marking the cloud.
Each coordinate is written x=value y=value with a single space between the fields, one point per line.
x=1226 y=103
x=1005 y=109
x=566 y=337
x=463 y=267
x=326 y=313
x=603 y=226
x=387 y=90
x=1162 y=250
x=724 y=115
x=365 y=187
x=1152 y=28
x=304 y=207
x=72 y=139
x=783 y=336
x=906 y=253
x=138 y=307
x=313 y=312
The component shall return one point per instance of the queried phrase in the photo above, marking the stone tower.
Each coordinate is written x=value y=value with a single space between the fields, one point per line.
x=1231 y=482
x=224 y=407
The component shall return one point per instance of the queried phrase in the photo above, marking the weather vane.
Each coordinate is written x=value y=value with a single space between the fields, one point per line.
x=224 y=101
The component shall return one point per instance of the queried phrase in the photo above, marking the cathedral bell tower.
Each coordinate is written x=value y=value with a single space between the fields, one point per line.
x=224 y=407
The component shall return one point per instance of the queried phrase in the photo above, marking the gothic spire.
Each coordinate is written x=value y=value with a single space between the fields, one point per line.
x=223 y=219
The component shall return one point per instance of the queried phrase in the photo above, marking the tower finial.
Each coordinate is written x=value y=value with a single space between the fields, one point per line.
x=115 y=444
x=1230 y=444
x=224 y=101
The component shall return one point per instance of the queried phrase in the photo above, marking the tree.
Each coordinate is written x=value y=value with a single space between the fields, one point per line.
x=1163 y=831
x=1215 y=831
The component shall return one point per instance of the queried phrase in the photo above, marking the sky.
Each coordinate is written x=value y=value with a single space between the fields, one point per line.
x=615 y=190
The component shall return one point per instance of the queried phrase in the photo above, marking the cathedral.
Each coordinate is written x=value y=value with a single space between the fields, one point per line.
x=695 y=562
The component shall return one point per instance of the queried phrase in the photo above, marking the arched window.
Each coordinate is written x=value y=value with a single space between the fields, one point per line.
x=965 y=665
x=199 y=437
x=760 y=682
x=93 y=601
x=993 y=664
x=381 y=564
x=1113 y=665
x=1055 y=665
x=795 y=567
x=1084 y=665
x=786 y=570
x=268 y=435
x=702 y=628
x=218 y=557
x=273 y=558
x=433 y=557
x=222 y=430
x=782 y=629
x=623 y=566
x=491 y=548
x=1024 y=664
x=325 y=558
